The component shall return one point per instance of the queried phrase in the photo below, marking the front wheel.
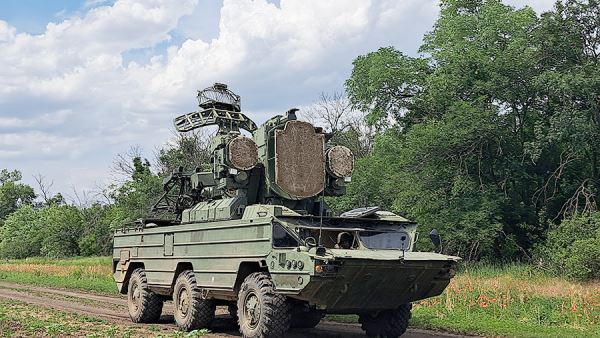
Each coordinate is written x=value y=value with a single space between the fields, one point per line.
x=262 y=312
x=191 y=311
x=387 y=323
x=144 y=305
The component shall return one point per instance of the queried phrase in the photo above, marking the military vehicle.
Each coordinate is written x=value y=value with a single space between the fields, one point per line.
x=254 y=234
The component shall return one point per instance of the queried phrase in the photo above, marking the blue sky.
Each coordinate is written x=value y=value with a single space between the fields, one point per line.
x=31 y=16
x=84 y=80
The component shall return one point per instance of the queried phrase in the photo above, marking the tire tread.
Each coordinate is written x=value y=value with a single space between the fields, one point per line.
x=152 y=304
x=277 y=310
x=202 y=311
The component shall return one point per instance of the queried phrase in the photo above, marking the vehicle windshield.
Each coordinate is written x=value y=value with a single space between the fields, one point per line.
x=336 y=233
x=398 y=240
x=330 y=238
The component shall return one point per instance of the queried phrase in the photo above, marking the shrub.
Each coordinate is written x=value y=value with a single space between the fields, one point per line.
x=21 y=234
x=90 y=246
x=572 y=248
x=62 y=227
x=96 y=239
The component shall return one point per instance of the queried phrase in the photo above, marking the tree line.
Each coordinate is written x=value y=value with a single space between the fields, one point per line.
x=42 y=224
x=491 y=136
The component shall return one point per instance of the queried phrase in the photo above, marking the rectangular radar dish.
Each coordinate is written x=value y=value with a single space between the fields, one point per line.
x=299 y=160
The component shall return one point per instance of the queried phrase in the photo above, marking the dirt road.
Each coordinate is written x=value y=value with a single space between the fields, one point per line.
x=114 y=309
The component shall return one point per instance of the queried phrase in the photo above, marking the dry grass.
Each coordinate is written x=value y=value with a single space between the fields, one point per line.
x=58 y=270
x=93 y=274
x=514 y=301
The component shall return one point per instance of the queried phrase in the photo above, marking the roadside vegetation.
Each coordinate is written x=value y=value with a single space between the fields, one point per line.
x=83 y=273
x=513 y=301
x=510 y=301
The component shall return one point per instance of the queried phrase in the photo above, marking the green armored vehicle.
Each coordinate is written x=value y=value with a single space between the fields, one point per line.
x=254 y=234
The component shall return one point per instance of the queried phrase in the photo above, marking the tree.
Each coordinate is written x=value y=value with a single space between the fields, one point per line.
x=21 y=235
x=189 y=150
x=135 y=197
x=384 y=84
x=12 y=193
x=335 y=113
x=123 y=164
x=569 y=98
x=45 y=192
x=495 y=133
x=96 y=238
x=61 y=228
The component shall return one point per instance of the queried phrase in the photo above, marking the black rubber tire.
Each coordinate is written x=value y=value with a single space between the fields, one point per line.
x=387 y=323
x=144 y=305
x=274 y=311
x=306 y=319
x=190 y=310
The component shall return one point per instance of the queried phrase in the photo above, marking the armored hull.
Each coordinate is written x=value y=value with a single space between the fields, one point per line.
x=375 y=281
x=219 y=251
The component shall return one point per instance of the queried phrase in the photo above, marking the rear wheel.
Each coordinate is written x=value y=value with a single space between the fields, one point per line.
x=262 y=312
x=387 y=323
x=144 y=305
x=191 y=311
x=306 y=319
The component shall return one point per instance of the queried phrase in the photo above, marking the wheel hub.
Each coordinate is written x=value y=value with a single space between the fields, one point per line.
x=184 y=302
x=252 y=309
x=135 y=296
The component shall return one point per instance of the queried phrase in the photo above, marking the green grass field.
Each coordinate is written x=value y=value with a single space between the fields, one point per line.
x=509 y=301
x=90 y=273
x=514 y=301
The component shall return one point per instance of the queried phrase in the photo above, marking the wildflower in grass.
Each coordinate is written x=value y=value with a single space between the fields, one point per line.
x=573 y=307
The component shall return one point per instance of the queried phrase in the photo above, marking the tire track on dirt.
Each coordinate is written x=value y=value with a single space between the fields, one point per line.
x=114 y=309
x=58 y=304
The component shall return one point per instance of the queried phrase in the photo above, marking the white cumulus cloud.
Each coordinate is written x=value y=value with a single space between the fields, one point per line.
x=73 y=96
